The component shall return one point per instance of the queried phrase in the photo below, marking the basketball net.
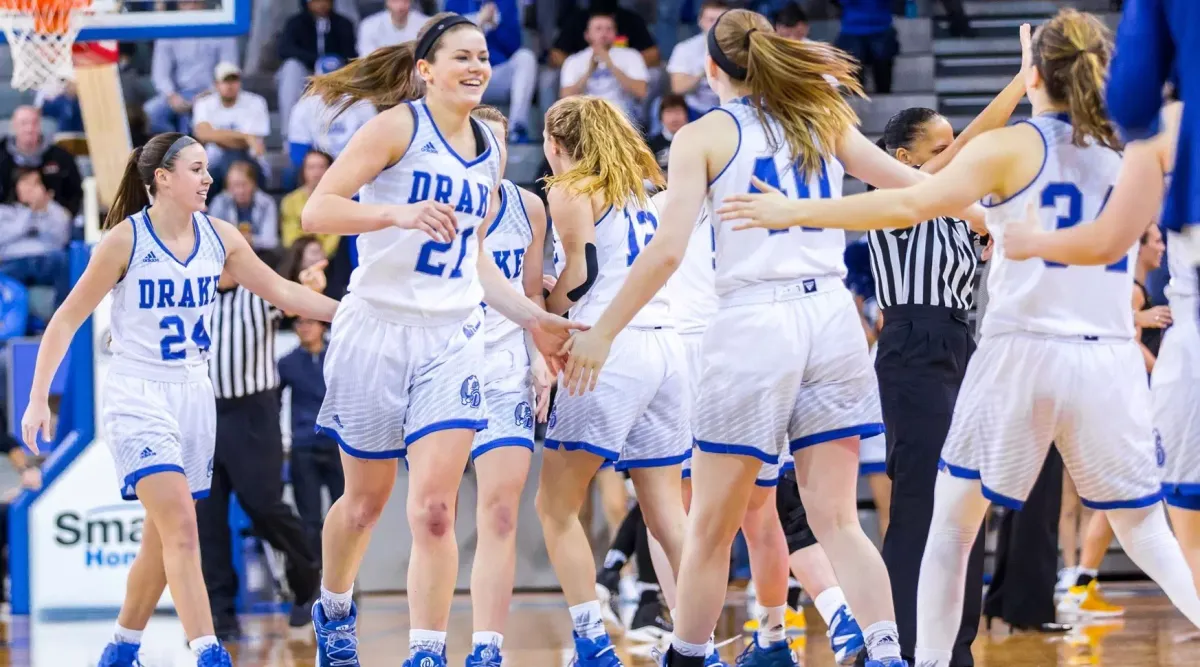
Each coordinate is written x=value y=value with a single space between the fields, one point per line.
x=40 y=34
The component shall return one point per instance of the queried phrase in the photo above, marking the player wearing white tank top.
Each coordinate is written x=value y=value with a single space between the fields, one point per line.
x=1053 y=334
x=161 y=261
x=637 y=417
x=406 y=356
x=785 y=324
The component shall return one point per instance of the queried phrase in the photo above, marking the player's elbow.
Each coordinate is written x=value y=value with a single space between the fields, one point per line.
x=311 y=218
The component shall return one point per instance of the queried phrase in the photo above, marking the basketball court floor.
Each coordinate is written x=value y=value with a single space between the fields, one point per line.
x=1152 y=634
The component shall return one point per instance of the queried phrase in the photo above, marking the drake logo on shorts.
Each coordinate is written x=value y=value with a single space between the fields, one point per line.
x=469 y=392
x=1160 y=453
x=523 y=415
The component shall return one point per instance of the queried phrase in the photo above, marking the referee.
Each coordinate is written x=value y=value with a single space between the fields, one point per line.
x=248 y=459
x=924 y=283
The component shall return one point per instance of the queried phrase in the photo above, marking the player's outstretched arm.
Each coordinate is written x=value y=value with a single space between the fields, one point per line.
x=110 y=260
x=253 y=274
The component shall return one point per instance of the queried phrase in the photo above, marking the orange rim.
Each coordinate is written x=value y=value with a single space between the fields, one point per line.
x=50 y=17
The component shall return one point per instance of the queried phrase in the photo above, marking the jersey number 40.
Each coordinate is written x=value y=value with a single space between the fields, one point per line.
x=765 y=171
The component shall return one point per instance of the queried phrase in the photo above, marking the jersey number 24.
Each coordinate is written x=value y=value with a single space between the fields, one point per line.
x=174 y=325
x=1053 y=193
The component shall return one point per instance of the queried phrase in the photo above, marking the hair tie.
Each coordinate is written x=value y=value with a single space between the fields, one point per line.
x=427 y=41
x=734 y=70
x=746 y=44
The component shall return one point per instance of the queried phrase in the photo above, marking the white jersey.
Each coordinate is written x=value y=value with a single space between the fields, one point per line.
x=621 y=235
x=756 y=256
x=404 y=274
x=507 y=239
x=162 y=305
x=692 y=288
x=317 y=124
x=1051 y=299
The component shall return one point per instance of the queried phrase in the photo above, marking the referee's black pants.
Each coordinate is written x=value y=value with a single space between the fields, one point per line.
x=249 y=462
x=921 y=359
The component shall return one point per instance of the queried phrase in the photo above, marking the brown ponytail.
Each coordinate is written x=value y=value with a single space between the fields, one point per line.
x=386 y=77
x=137 y=183
x=1072 y=53
x=796 y=82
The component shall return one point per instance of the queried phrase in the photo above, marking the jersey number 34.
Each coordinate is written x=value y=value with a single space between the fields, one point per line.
x=1056 y=192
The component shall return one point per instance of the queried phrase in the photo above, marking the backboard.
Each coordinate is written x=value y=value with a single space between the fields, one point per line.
x=132 y=20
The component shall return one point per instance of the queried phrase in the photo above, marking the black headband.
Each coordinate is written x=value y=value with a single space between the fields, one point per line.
x=734 y=70
x=429 y=39
x=178 y=145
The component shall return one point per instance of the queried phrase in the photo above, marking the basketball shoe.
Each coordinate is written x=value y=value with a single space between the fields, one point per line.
x=120 y=654
x=337 y=643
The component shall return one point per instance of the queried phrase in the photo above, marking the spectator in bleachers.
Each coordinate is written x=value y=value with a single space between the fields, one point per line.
x=672 y=115
x=396 y=24
x=606 y=69
x=686 y=65
x=34 y=233
x=514 y=68
x=182 y=69
x=61 y=104
x=246 y=206
x=791 y=21
x=315 y=125
x=28 y=147
x=233 y=124
x=868 y=34
x=312 y=34
x=314 y=167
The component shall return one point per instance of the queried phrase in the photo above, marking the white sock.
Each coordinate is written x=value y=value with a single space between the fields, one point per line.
x=126 y=636
x=829 y=602
x=431 y=641
x=614 y=559
x=770 y=626
x=1147 y=539
x=336 y=605
x=643 y=586
x=488 y=639
x=586 y=619
x=692 y=650
x=883 y=640
x=928 y=658
x=199 y=644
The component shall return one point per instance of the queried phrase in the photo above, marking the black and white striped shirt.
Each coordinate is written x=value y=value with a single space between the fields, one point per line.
x=931 y=264
x=242 y=356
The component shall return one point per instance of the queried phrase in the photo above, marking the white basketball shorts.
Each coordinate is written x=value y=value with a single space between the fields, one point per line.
x=785 y=367
x=1090 y=398
x=508 y=395
x=154 y=426
x=389 y=384
x=638 y=414
x=1175 y=386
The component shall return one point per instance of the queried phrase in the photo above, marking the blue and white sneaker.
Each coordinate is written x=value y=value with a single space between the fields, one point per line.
x=714 y=660
x=845 y=637
x=120 y=654
x=425 y=659
x=777 y=654
x=337 y=643
x=598 y=652
x=485 y=656
x=214 y=656
x=887 y=662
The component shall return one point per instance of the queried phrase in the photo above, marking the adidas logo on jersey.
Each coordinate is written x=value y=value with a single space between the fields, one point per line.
x=146 y=453
x=150 y=257
x=429 y=148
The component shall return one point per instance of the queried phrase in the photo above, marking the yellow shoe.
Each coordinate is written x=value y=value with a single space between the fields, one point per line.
x=1088 y=601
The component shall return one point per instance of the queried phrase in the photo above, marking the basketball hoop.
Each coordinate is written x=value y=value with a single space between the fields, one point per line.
x=40 y=34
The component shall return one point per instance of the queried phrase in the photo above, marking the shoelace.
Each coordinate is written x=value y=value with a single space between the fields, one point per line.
x=341 y=647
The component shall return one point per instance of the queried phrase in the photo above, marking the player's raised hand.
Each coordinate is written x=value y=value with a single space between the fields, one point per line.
x=1026 y=47
x=1022 y=236
x=768 y=209
x=549 y=334
x=432 y=217
x=37 y=420
x=314 y=276
x=586 y=353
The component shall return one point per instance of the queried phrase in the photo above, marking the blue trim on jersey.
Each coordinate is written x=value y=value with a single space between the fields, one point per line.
x=1001 y=499
x=958 y=471
x=1182 y=497
x=499 y=214
x=738 y=124
x=660 y=462
x=131 y=480
x=1045 y=159
x=521 y=201
x=221 y=243
x=195 y=233
x=736 y=450
x=466 y=163
x=511 y=441
x=1181 y=489
x=132 y=248
x=861 y=430
x=579 y=445
x=447 y=425
x=416 y=124
x=1128 y=504
x=867 y=469
x=358 y=453
x=603 y=215
x=767 y=483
